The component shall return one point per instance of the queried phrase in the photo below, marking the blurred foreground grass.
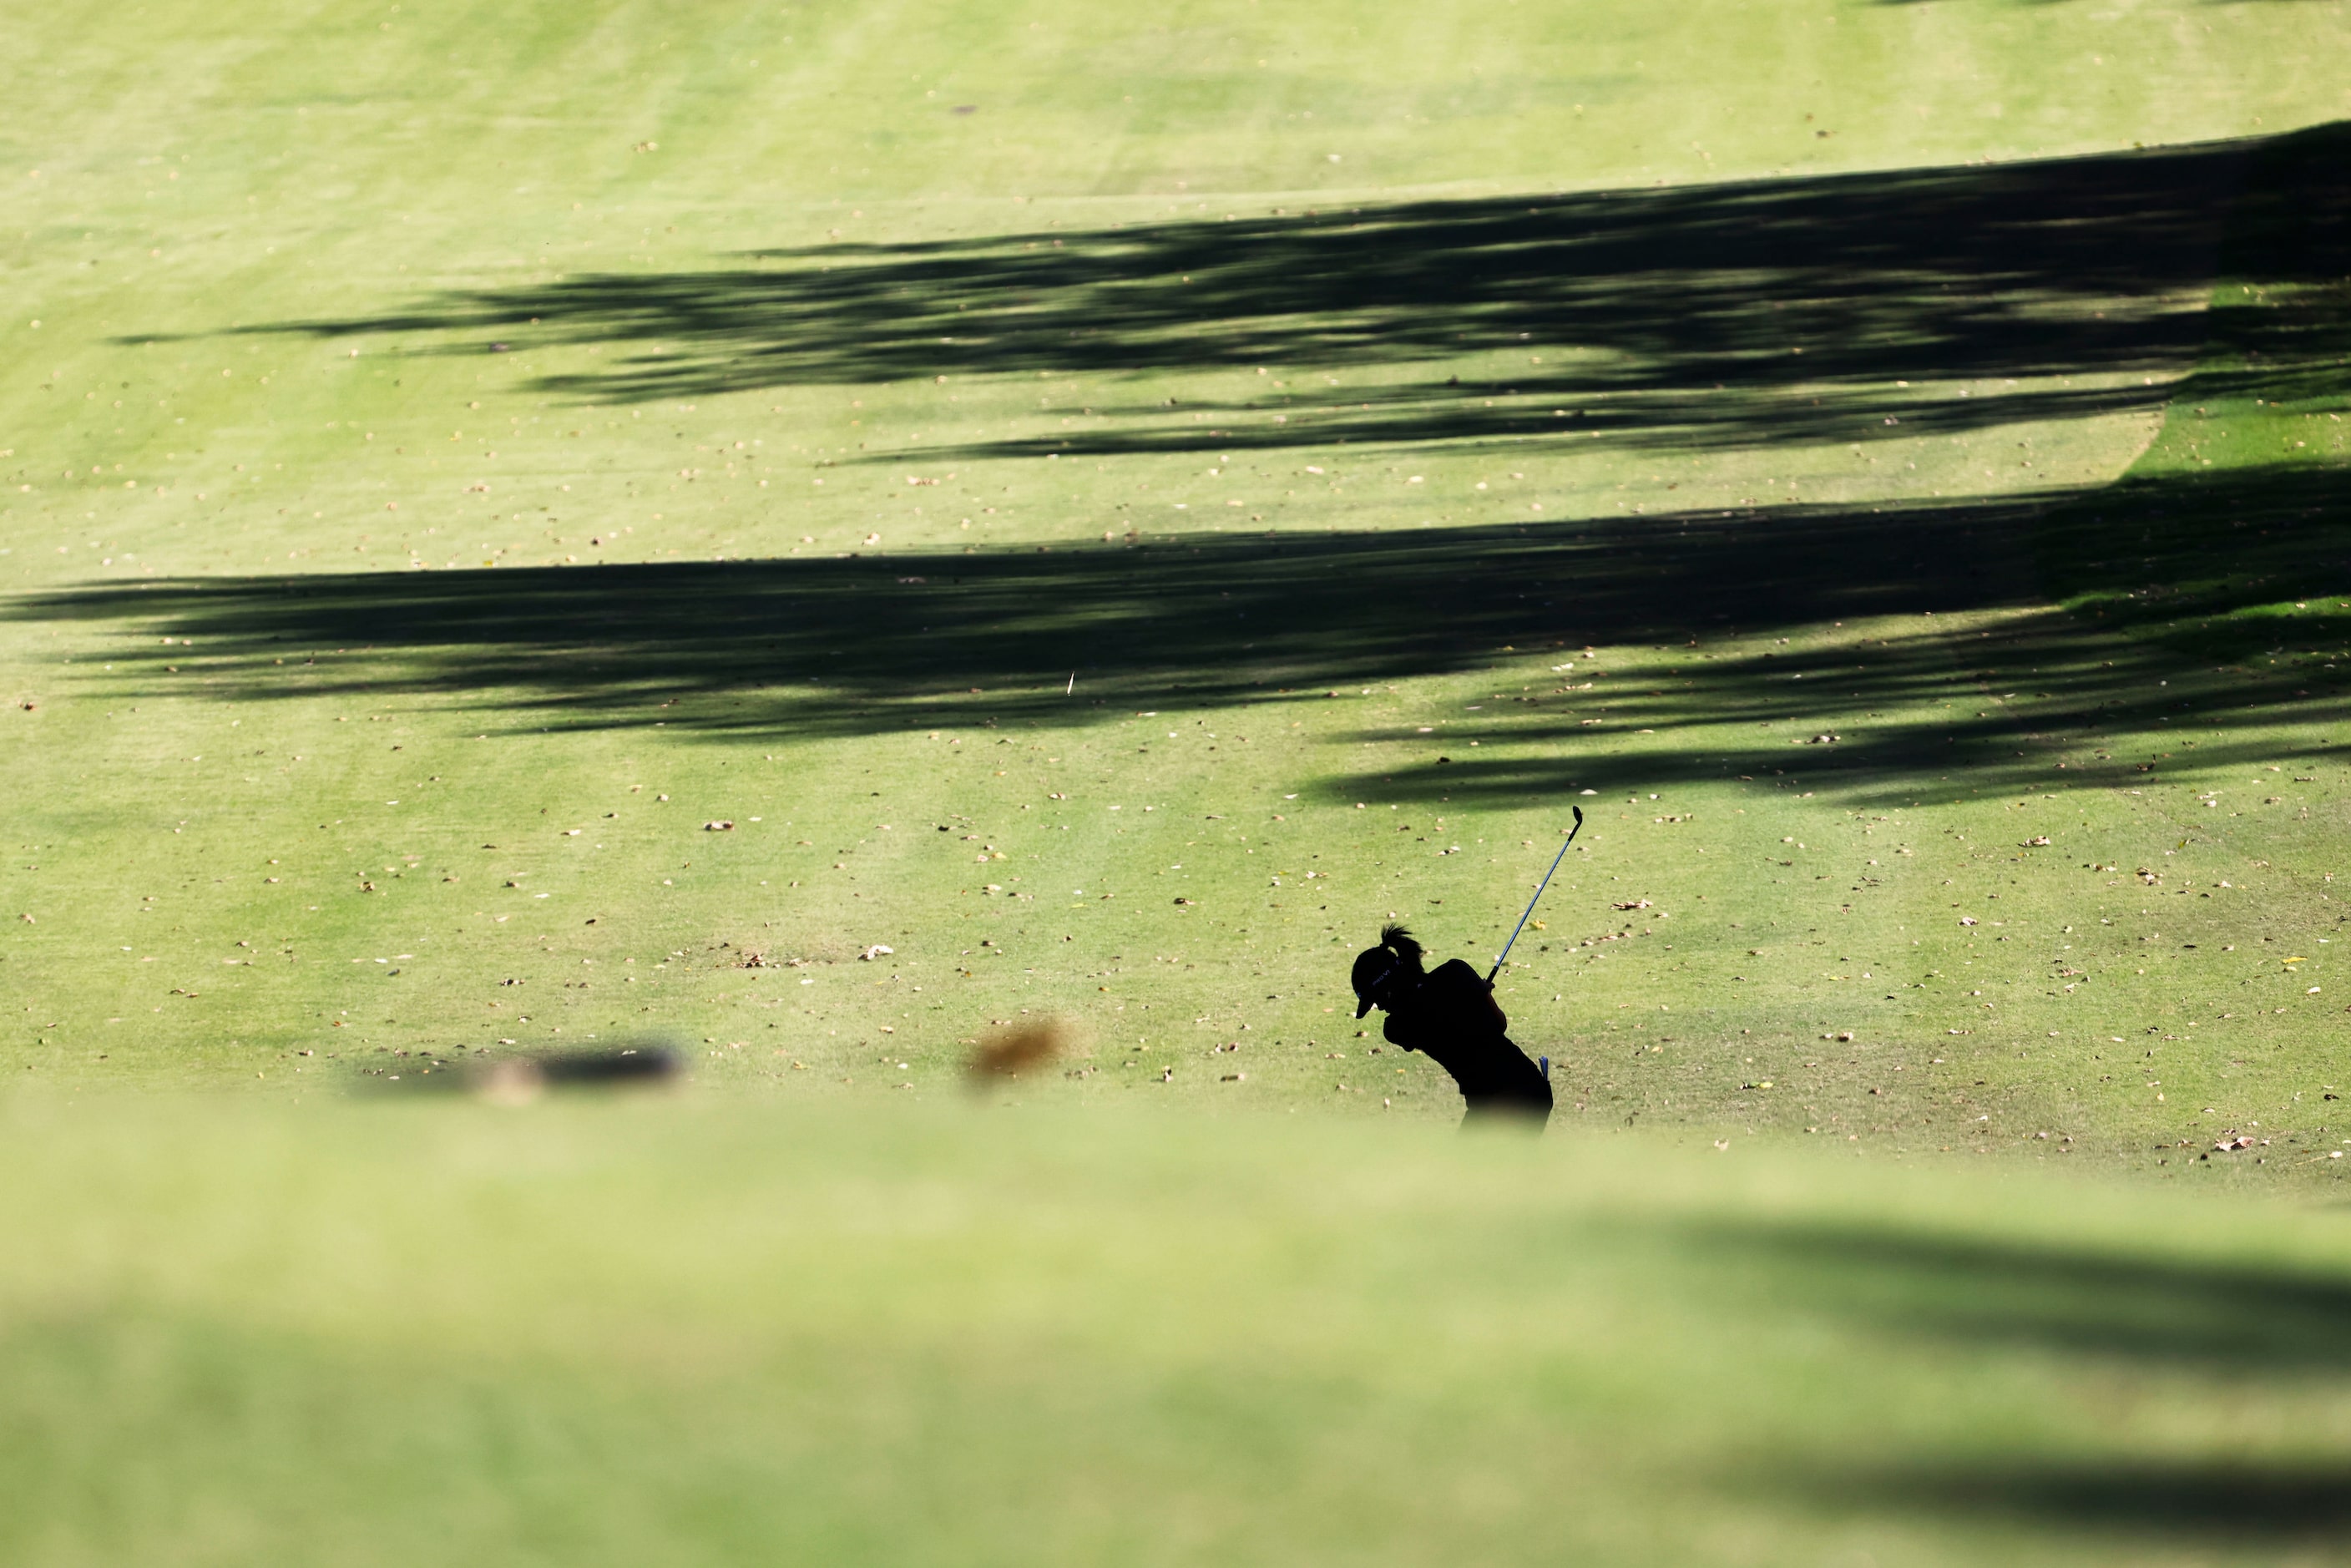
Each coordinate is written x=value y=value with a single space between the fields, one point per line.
x=670 y=1331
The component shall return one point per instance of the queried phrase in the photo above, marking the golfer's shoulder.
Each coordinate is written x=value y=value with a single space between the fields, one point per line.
x=1455 y=977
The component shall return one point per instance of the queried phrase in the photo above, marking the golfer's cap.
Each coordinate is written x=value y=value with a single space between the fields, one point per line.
x=1374 y=968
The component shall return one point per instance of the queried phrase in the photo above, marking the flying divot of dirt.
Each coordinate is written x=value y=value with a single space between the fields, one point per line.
x=1012 y=1051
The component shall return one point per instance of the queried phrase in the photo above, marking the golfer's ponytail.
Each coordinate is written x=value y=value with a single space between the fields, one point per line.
x=1398 y=941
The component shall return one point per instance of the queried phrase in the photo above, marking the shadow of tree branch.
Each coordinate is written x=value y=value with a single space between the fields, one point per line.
x=1788 y=309
x=858 y=645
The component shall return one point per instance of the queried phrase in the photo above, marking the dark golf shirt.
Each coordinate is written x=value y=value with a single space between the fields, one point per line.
x=1452 y=1019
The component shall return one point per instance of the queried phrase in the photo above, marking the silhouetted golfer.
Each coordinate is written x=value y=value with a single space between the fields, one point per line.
x=1451 y=1018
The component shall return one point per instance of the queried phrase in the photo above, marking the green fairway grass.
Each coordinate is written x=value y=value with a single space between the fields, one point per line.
x=687 y=1332
x=592 y=524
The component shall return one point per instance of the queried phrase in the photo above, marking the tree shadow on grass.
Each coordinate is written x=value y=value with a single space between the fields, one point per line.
x=1690 y=306
x=2131 y=1313
x=2229 y=1318
x=1737 y=314
x=2212 y=1501
x=2202 y=607
x=2176 y=651
x=862 y=645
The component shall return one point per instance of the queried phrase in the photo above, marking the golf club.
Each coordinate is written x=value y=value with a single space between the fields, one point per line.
x=1522 y=926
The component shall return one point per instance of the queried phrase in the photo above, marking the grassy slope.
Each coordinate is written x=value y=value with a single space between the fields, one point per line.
x=268 y=257
x=688 y=1332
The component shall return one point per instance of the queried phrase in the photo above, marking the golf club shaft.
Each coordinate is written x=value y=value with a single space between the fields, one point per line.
x=1522 y=926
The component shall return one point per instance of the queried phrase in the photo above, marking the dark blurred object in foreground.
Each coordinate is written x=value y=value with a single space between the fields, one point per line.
x=520 y=1077
x=515 y=1080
